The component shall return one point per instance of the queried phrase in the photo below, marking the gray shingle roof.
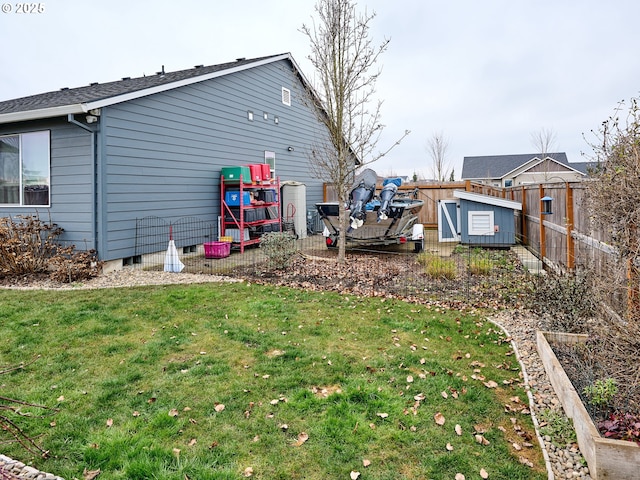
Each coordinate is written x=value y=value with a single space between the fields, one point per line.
x=102 y=91
x=497 y=166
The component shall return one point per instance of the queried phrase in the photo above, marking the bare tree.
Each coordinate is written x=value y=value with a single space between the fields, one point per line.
x=437 y=148
x=344 y=58
x=544 y=141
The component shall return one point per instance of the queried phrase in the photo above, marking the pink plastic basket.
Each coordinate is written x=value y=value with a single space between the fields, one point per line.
x=217 y=249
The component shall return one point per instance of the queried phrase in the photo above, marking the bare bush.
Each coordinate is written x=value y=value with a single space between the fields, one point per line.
x=566 y=303
x=613 y=196
x=27 y=244
x=12 y=418
x=30 y=246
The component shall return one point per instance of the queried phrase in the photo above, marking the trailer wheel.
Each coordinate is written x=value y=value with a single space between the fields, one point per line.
x=418 y=246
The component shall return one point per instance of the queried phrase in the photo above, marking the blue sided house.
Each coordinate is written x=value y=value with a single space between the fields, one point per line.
x=97 y=158
x=476 y=219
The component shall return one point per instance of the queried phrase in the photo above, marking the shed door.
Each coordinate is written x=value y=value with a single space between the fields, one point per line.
x=448 y=221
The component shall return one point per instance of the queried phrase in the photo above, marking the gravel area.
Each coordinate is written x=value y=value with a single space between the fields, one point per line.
x=562 y=462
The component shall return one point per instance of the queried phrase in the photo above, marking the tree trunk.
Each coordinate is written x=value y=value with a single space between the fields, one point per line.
x=342 y=237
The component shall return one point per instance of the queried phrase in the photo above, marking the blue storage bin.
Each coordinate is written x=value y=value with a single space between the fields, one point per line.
x=232 y=198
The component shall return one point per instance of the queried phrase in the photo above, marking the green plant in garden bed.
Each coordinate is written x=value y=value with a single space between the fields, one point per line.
x=601 y=392
x=437 y=266
x=225 y=380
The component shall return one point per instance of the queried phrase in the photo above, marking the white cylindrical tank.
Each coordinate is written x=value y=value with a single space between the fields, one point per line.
x=294 y=205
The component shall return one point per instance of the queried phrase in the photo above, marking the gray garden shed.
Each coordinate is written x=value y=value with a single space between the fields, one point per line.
x=486 y=220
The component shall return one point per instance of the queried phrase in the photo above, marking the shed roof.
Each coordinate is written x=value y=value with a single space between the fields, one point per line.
x=487 y=199
x=97 y=95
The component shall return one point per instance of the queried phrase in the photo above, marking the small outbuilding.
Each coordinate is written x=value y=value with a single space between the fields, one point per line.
x=484 y=219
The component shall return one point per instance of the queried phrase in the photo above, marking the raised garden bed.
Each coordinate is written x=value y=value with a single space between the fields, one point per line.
x=606 y=458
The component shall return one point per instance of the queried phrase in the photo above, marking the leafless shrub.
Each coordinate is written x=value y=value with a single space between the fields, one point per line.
x=75 y=266
x=10 y=416
x=613 y=195
x=29 y=246
x=565 y=302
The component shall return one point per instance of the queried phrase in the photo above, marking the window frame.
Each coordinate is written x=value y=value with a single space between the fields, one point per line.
x=22 y=181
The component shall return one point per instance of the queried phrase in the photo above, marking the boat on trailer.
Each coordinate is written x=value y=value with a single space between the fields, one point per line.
x=387 y=218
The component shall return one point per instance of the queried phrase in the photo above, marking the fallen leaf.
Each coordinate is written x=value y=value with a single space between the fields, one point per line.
x=484 y=474
x=52 y=424
x=382 y=415
x=444 y=394
x=173 y=412
x=526 y=462
x=482 y=440
x=248 y=472
x=192 y=442
x=459 y=476
x=136 y=413
x=109 y=422
x=218 y=407
x=176 y=452
x=61 y=398
x=354 y=475
x=302 y=437
x=90 y=474
x=516 y=446
x=366 y=463
x=458 y=430
x=449 y=447
x=409 y=379
x=439 y=418
x=490 y=384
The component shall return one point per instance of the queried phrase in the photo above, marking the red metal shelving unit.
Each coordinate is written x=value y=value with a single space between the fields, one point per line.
x=229 y=218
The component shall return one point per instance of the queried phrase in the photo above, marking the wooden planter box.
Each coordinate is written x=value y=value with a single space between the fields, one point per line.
x=607 y=459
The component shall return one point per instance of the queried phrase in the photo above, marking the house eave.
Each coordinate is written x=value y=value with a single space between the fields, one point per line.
x=41 y=113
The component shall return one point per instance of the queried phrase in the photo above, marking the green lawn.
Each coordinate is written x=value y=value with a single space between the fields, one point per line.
x=223 y=381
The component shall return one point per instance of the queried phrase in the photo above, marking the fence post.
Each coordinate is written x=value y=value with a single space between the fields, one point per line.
x=525 y=240
x=543 y=240
x=571 y=258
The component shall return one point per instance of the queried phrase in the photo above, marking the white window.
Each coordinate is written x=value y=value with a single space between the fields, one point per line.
x=25 y=169
x=481 y=223
x=270 y=159
x=286 y=96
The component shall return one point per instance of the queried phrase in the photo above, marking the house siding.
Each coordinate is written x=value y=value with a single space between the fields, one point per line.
x=503 y=217
x=161 y=155
x=71 y=181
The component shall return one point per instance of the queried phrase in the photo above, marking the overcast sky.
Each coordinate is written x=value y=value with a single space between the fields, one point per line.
x=484 y=74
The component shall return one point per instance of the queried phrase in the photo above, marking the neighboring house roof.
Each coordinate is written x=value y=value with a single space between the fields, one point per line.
x=497 y=166
x=584 y=167
x=83 y=99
